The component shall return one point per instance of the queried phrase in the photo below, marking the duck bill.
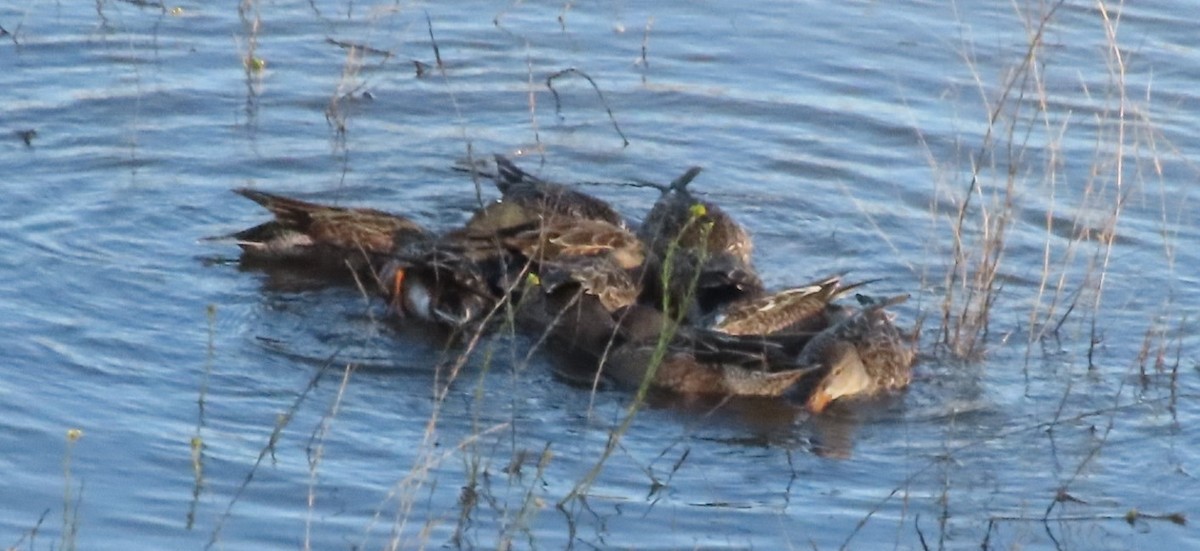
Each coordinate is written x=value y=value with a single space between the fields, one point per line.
x=819 y=401
x=398 y=290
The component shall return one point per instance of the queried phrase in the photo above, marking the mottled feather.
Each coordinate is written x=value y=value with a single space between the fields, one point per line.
x=548 y=198
x=863 y=354
x=798 y=309
x=306 y=230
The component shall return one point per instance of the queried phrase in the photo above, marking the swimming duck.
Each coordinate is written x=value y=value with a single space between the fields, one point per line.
x=700 y=256
x=561 y=238
x=862 y=355
x=605 y=278
x=548 y=198
x=576 y=270
x=650 y=349
x=525 y=231
x=445 y=281
x=572 y=301
x=807 y=308
x=323 y=234
x=490 y=257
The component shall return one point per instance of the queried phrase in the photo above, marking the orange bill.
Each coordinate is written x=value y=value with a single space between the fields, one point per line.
x=398 y=288
x=819 y=401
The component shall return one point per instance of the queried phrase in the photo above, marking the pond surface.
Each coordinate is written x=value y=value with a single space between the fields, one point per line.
x=238 y=408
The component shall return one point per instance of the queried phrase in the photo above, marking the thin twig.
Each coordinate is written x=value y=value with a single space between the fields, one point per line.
x=558 y=102
x=437 y=54
x=269 y=448
x=346 y=45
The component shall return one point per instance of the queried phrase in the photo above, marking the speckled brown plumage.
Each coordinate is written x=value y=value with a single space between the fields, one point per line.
x=599 y=276
x=696 y=361
x=504 y=241
x=573 y=300
x=547 y=239
x=681 y=372
x=801 y=309
x=548 y=198
x=314 y=232
x=694 y=225
x=561 y=238
x=699 y=256
x=862 y=355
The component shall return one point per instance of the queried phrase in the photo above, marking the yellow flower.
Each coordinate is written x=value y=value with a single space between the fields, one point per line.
x=256 y=64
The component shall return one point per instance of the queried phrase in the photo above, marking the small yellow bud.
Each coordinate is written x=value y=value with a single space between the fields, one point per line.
x=532 y=279
x=177 y=11
x=74 y=434
x=256 y=64
x=697 y=210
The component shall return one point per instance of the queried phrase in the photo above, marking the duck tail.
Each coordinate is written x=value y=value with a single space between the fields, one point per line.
x=289 y=211
x=844 y=290
x=251 y=238
x=291 y=215
x=509 y=174
x=875 y=304
x=680 y=184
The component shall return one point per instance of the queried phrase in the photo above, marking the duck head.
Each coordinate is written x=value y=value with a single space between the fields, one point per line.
x=847 y=376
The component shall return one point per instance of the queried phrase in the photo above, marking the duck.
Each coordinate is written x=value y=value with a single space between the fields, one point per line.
x=491 y=257
x=526 y=231
x=560 y=239
x=864 y=354
x=807 y=308
x=323 y=235
x=550 y=199
x=571 y=301
x=652 y=350
x=700 y=256
x=445 y=281
x=612 y=284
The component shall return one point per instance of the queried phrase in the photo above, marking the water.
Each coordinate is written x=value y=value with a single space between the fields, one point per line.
x=842 y=135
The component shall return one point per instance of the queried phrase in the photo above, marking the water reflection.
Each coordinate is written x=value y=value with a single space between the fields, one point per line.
x=742 y=421
x=298 y=277
x=127 y=126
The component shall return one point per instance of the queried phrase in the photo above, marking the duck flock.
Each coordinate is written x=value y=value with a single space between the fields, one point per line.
x=674 y=306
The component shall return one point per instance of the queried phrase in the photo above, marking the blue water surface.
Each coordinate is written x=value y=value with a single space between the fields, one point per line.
x=236 y=408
